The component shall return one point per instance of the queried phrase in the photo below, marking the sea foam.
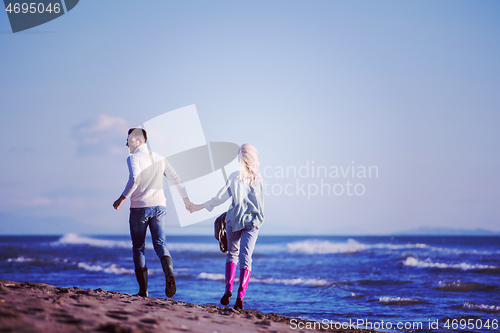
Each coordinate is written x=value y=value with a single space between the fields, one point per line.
x=351 y=246
x=414 y=262
x=20 y=259
x=311 y=282
x=112 y=269
x=457 y=286
x=211 y=276
x=75 y=239
x=314 y=246
x=326 y=247
x=481 y=307
x=400 y=300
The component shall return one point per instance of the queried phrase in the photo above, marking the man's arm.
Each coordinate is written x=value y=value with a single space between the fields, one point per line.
x=188 y=204
x=172 y=175
x=118 y=202
x=133 y=170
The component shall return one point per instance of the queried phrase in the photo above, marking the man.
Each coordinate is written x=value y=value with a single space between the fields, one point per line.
x=148 y=207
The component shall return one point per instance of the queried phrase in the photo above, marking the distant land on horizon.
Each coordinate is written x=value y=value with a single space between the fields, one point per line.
x=430 y=231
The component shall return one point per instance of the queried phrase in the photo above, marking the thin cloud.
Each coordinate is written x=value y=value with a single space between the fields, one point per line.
x=29 y=202
x=103 y=135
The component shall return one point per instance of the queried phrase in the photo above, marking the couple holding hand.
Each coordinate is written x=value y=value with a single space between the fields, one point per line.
x=148 y=208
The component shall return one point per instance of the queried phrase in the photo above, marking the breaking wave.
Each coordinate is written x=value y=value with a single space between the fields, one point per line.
x=325 y=247
x=20 y=259
x=211 y=276
x=351 y=246
x=400 y=301
x=373 y=282
x=112 y=269
x=310 y=282
x=75 y=239
x=457 y=286
x=311 y=246
x=414 y=262
x=297 y=281
x=481 y=307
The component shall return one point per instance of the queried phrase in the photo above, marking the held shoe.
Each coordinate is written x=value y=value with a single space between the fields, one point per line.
x=168 y=270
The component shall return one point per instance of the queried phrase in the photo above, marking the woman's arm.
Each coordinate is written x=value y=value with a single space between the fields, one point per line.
x=221 y=197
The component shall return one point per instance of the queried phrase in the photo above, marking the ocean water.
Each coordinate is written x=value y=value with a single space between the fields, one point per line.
x=401 y=280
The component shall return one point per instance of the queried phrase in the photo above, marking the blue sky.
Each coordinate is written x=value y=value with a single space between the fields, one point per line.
x=408 y=87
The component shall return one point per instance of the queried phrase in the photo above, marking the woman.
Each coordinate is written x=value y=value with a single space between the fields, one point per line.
x=243 y=219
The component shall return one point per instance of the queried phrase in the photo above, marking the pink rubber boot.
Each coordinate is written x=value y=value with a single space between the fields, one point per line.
x=230 y=271
x=244 y=279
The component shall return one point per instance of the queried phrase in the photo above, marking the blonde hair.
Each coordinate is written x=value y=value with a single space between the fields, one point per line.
x=249 y=164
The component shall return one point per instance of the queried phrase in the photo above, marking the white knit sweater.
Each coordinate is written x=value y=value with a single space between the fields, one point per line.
x=145 y=182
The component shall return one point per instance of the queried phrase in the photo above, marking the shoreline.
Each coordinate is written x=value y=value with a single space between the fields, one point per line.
x=39 y=307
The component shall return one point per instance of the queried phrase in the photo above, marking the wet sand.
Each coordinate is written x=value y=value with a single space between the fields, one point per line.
x=38 y=307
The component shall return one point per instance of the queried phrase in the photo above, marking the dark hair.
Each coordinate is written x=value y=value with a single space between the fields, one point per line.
x=135 y=130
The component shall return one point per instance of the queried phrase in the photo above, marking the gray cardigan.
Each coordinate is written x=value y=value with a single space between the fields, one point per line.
x=247 y=207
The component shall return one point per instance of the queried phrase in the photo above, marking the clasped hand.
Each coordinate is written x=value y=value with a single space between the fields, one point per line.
x=191 y=207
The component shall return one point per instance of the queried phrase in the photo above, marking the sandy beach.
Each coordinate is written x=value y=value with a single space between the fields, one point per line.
x=39 y=307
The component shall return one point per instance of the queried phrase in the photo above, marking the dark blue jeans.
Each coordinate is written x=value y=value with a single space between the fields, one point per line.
x=140 y=219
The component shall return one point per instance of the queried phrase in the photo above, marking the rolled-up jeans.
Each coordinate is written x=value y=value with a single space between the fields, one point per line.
x=140 y=219
x=240 y=244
